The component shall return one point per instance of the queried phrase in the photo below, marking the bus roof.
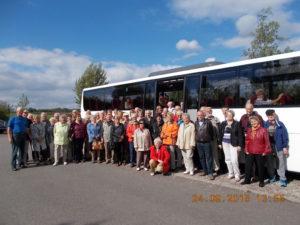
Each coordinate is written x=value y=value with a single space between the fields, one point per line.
x=188 y=70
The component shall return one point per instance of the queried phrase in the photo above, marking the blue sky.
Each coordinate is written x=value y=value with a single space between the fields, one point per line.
x=50 y=43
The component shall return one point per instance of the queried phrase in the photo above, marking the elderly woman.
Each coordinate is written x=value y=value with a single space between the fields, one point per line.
x=78 y=135
x=169 y=136
x=186 y=143
x=232 y=137
x=159 y=158
x=61 y=134
x=257 y=146
x=38 y=138
x=118 y=132
x=131 y=127
x=95 y=133
x=50 y=129
x=142 y=142
x=156 y=126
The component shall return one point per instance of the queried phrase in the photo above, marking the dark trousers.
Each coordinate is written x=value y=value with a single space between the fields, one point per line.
x=259 y=162
x=205 y=157
x=132 y=153
x=125 y=152
x=118 y=148
x=78 y=146
x=18 y=145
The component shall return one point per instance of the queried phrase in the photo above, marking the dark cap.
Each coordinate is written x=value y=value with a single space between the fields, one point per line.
x=141 y=121
x=270 y=112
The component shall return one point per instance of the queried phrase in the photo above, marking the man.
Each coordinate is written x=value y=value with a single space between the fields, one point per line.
x=214 y=143
x=204 y=136
x=279 y=141
x=16 y=131
x=245 y=122
x=107 y=137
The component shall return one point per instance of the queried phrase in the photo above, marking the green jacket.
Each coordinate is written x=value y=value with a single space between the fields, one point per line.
x=61 y=133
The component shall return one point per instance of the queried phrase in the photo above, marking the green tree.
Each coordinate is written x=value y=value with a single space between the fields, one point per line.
x=23 y=101
x=5 y=110
x=265 y=38
x=94 y=75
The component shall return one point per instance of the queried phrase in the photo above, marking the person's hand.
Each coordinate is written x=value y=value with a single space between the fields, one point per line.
x=220 y=146
x=247 y=153
x=263 y=154
x=285 y=151
x=160 y=161
x=239 y=148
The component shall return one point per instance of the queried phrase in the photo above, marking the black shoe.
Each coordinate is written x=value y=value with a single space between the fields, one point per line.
x=261 y=184
x=245 y=182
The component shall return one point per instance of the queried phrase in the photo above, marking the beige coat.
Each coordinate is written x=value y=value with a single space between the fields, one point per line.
x=186 y=136
x=142 y=140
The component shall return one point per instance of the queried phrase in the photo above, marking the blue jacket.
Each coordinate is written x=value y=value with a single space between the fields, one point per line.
x=281 y=135
x=94 y=131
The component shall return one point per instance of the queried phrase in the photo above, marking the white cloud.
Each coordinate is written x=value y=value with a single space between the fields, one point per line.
x=293 y=43
x=210 y=59
x=188 y=46
x=217 y=10
x=47 y=77
x=120 y=71
x=243 y=12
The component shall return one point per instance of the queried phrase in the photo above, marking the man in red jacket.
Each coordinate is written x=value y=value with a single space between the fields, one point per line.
x=257 y=146
x=159 y=158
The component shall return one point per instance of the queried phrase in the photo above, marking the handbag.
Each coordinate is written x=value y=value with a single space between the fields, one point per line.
x=97 y=145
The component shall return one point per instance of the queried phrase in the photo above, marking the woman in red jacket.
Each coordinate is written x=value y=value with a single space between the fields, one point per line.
x=257 y=146
x=160 y=158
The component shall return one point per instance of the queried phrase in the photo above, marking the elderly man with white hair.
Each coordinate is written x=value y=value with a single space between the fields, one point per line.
x=16 y=131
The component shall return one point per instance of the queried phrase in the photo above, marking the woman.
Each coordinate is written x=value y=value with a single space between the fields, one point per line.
x=95 y=133
x=159 y=158
x=61 y=133
x=118 y=132
x=132 y=126
x=51 y=138
x=169 y=136
x=186 y=143
x=78 y=135
x=38 y=138
x=142 y=142
x=156 y=126
x=232 y=138
x=257 y=146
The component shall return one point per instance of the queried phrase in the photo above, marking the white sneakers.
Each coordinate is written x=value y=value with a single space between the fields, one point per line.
x=138 y=168
x=65 y=163
x=152 y=174
x=186 y=172
x=55 y=164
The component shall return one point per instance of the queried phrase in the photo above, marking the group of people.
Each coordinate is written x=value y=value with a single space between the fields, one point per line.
x=164 y=142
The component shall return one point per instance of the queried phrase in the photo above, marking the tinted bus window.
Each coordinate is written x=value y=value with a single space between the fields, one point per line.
x=192 y=91
x=219 y=89
x=134 y=96
x=271 y=83
x=150 y=95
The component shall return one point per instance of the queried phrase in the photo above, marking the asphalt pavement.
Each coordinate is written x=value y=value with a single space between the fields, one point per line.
x=94 y=194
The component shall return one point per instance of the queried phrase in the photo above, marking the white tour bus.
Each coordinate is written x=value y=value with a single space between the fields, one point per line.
x=218 y=85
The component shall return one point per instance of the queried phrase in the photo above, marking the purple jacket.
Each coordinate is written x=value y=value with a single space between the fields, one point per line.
x=78 y=131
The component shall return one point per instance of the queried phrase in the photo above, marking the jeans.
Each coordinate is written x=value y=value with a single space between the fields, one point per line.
x=18 y=145
x=205 y=156
x=132 y=153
